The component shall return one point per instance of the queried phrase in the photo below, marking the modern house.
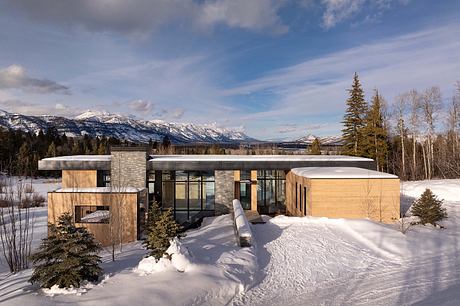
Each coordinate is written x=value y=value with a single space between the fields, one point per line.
x=111 y=193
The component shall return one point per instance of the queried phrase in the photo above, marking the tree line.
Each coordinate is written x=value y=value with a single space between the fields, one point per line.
x=415 y=137
x=20 y=151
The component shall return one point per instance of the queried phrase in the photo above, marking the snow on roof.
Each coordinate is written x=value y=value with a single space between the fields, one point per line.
x=101 y=190
x=339 y=172
x=79 y=158
x=257 y=158
x=97 y=216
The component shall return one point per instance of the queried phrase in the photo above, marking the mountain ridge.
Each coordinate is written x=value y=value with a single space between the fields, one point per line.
x=96 y=123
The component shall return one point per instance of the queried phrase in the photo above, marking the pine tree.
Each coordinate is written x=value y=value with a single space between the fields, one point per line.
x=153 y=215
x=51 y=150
x=354 y=120
x=315 y=148
x=67 y=257
x=375 y=136
x=428 y=208
x=160 y=233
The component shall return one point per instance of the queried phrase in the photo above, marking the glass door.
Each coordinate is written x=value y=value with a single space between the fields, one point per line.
x=245 y=194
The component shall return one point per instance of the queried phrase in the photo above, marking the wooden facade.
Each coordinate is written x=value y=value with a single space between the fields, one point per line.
x=123 y=224
x=377 y=199
x=123 y=210
x=79 y=178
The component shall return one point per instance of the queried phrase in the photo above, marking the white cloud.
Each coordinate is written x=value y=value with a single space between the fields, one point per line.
x=178 y=112
x=140 y=16
x=337 y=11
x=141 y=106
x=35 y=109
x=254 y=14
x=316 y=88
x=15 y=77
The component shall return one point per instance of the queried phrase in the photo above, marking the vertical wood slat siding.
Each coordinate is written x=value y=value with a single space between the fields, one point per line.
x=61 y=202
x=79 y=178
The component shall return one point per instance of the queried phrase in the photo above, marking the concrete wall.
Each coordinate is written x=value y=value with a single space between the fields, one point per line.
x=225 y=190
x=375 y=199
x=128 y=169
x=123 y=208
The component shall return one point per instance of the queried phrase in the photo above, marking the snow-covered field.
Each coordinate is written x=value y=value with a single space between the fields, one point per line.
x=296 y=261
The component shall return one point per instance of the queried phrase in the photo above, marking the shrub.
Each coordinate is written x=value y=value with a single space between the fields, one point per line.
x=161 y=228
x=67 y=257
x=428 y=208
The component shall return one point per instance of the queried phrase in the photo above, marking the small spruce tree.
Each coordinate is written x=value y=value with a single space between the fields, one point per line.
x=153 y=215
x=160 y=231
x=315 y=148
x=67 y=257
x=429 y=208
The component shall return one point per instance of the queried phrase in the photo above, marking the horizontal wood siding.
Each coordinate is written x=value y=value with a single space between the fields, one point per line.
x=122 y=206
x=376 y=199
x=79 y=178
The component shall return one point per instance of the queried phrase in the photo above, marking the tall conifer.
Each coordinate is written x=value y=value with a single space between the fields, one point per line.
x=375 y=140
x=354 y=120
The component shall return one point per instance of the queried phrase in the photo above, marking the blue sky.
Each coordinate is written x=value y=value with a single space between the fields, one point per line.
x=277 y=69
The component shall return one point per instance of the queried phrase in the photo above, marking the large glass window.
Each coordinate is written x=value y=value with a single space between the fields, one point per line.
x=103 y=178
x=187 y=192
x=271 y=195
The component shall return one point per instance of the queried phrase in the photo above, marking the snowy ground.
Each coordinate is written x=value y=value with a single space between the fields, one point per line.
x=319 y=261
x=300 y=261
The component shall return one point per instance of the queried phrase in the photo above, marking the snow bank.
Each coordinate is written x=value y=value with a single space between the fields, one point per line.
x=180 y=260
x=55 y=290
x=243 y=229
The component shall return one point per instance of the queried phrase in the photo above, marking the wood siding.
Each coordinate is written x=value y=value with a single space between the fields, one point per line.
x=123 y=208
x=79 y=178
x=375 y=199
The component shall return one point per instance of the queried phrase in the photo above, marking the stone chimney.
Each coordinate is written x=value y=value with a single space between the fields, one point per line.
x=128 y=167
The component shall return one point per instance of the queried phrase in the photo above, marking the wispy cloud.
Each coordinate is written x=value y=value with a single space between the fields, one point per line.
x=336 y=11
x=318 y=86
x=141 y=106
x=16 y=77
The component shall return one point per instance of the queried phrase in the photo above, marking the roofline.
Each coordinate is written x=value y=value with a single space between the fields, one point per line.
x=212 y=162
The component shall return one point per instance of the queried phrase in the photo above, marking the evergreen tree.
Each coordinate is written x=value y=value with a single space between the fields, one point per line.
x=51 y=152
x=375 y=140
x=315 y=147
x=161 y=230
x=354 y=120
x=153 y=215
x=67 y=257
x=428 y=208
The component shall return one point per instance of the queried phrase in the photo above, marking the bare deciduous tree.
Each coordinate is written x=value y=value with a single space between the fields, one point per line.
x=16 y=224
x=400 y=110
x=431 y=105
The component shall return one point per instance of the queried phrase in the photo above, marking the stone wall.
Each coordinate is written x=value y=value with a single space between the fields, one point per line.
x=128 y=168
x=224 y=196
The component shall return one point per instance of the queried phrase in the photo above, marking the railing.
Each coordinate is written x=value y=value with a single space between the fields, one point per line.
x=242 y=227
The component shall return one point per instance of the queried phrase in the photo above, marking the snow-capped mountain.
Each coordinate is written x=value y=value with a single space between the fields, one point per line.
x=95 y=123
x=326 y=140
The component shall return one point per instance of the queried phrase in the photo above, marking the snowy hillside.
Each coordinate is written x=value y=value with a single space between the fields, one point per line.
x=96 y=123
x=326 y=140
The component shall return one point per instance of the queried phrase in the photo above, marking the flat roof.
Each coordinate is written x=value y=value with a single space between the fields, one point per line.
x=204 y=157
x=101 y=190
x=76 y=162
x=253 y=162
x=210 y=162
x=340 y=172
